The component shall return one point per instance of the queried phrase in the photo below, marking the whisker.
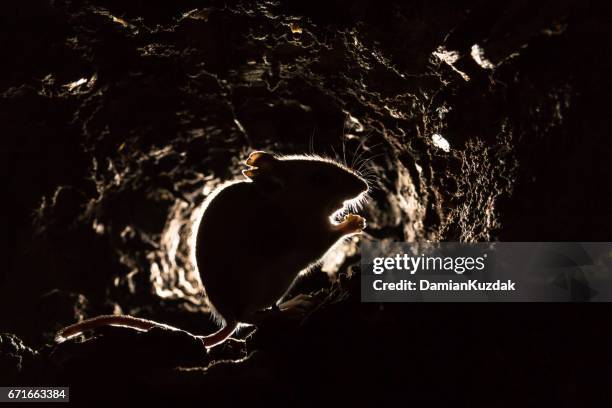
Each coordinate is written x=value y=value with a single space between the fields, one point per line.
x=335 y=154
x=369 y=159
x=344 y=150
x=358 y=154
x=364 y=149
x=311 y=144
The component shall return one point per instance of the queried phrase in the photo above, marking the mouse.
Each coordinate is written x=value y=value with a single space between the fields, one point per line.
x=257 y=234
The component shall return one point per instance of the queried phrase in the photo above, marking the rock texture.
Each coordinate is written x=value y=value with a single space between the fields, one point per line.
x=474 y=121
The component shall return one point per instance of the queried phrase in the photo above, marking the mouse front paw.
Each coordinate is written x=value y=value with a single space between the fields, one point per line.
x=352 y=224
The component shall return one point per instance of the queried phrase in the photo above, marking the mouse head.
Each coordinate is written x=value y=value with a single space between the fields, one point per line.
x=316 y=180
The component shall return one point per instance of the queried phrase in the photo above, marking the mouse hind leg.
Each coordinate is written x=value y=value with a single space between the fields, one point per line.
x=296 y=308
x=300 y=304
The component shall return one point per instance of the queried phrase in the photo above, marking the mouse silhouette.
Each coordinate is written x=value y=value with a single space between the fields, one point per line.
x=256 y=235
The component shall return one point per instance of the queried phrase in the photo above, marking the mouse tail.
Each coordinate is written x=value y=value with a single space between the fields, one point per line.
x=138 y=324
x=219 y=336
x=107 y=320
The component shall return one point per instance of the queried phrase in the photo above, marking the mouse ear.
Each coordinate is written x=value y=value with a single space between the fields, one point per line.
x=261 y=160
x=262 y=170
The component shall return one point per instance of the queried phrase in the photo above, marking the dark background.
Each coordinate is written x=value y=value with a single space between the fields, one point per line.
x=117 y=118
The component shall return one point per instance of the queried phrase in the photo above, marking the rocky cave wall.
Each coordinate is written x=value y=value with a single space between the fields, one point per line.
x=475 y=121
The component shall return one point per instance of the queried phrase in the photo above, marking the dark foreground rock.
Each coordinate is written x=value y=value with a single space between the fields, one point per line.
x=474 y=121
